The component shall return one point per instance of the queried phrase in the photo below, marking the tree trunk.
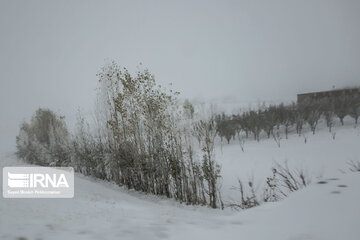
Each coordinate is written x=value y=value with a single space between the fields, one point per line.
x=342 y=121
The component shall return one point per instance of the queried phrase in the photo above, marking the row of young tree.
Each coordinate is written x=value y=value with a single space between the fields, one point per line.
x=142 y=139
x=269 y=119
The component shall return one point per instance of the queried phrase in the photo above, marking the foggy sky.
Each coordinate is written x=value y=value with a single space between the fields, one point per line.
x=51 y=51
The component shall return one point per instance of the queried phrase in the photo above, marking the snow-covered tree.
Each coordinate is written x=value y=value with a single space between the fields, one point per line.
x=45 y=140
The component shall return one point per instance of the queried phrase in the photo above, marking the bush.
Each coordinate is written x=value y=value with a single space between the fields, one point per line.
x=354 y=166
x=278 y=186
x=284 y=181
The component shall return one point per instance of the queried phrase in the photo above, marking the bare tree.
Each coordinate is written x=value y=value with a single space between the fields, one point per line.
x=312 y=114
x=341 y=107
x=328 y=110
x=354 y=108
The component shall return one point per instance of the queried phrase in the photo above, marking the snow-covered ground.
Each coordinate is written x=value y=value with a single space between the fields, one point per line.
x=320 y=157
x=102 y=210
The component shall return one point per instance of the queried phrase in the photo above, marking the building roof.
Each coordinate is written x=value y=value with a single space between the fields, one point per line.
x=332 y=90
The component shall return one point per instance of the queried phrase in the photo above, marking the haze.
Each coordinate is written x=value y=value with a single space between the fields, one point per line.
x=248 y=51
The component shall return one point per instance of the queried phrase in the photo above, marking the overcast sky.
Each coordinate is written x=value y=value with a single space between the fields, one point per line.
x=51 y=51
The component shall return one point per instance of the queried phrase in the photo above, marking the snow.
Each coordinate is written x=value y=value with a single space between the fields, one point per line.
x=312 y=213
x=102 y=210
x=320 y=157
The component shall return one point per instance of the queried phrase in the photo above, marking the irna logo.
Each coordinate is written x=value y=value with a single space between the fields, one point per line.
x=38 y=182
x=18 y=180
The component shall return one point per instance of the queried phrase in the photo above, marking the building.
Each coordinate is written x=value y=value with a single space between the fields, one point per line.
x=315 y=96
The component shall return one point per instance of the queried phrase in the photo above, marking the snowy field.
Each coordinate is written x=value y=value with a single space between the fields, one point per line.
x=321 y=156
x=102 y=210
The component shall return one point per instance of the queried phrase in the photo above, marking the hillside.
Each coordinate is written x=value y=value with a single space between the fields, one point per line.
x=103 y=210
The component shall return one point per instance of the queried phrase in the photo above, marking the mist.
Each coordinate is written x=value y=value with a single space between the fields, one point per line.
x=245 y=51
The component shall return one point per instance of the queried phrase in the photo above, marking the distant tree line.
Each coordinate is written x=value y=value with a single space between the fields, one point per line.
x=142 y=139
x=271 y=118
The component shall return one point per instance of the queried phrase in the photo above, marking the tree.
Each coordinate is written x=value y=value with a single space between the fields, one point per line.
x=289 y=113
x=152 y=149
x=354 y=108
x=45 y=140
x=255 y=121
x=226 y=127
x=341 y=107
x=270 y=120
x=243 y=122
x=327 y=109
x=312 y=114
x=299 y=117
x=210 y=168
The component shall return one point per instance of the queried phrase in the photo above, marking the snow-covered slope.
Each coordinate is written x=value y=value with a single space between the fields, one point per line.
x=102 y=210
x=322 y=211
x=320 y=157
